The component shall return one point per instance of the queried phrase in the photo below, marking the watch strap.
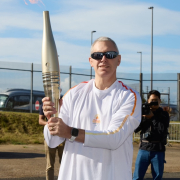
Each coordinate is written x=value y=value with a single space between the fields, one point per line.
x=74 y=134
x=72 y=138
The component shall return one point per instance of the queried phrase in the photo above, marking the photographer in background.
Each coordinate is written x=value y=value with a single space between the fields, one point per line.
x=153 y=138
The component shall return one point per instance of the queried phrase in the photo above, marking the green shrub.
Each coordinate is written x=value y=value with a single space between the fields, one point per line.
x=20 y=128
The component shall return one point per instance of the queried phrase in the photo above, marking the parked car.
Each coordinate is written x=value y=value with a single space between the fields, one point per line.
x=19 y=99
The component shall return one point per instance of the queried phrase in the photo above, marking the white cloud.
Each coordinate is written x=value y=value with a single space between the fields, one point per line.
x=29 y=20
x=20 y=50
x=65 y=85
x=117 y=19
x=123 y=21
x=29 y=50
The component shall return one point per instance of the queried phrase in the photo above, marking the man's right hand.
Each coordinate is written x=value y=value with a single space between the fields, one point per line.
x=48 y=107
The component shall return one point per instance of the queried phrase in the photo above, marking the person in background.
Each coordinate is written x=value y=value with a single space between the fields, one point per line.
x=153 y=138
x=50 y=153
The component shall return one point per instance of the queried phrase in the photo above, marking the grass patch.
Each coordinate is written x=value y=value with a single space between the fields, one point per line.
x=20 y=128
x=174 y=121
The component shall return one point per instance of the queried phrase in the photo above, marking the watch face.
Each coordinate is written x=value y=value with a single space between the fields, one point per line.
x=74 y=132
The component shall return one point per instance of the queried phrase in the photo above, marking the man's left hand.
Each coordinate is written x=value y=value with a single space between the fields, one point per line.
x=57 y=127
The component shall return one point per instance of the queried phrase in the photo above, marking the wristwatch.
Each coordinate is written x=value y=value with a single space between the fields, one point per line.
x=74 y=134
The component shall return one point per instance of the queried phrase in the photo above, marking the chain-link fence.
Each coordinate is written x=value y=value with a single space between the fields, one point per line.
x=173 y=130
x=15 y=75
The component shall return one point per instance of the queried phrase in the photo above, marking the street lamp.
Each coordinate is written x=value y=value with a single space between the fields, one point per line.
x=151 y=50
x=91 y=45
x=92 y=36
x=140 y=84
x=140 y=62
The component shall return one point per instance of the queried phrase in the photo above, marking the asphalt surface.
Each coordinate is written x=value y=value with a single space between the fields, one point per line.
x=27 y=162
x=166 y=176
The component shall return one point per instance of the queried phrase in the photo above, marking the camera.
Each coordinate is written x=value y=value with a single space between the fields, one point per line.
x=146 y=107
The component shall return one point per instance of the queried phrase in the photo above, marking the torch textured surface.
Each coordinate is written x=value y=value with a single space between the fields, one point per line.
x=50 y=64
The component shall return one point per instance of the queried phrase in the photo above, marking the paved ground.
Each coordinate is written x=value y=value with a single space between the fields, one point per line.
x=27 y=162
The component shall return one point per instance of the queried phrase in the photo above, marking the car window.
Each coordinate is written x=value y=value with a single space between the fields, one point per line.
x=21 y=100
x=3 y=99
x=10 y=103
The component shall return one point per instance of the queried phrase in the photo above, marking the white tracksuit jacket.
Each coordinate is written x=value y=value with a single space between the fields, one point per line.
x=109 y=118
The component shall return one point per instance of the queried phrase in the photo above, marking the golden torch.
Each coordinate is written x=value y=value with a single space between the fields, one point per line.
x=50 y=64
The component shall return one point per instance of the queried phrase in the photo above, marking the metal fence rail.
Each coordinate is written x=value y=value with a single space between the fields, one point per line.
x=28 y=76
x=174 y=133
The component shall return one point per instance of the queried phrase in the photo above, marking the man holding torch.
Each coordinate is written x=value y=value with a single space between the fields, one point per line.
x=97 y=119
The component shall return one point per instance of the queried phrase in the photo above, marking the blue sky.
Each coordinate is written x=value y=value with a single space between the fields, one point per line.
x=128 y=22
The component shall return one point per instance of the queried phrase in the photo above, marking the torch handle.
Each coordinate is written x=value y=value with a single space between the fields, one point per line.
x=51 y=82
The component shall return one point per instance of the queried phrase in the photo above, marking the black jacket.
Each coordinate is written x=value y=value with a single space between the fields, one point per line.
x=157 y=128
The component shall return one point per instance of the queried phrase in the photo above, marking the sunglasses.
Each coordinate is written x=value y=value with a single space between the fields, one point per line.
x=108 y=55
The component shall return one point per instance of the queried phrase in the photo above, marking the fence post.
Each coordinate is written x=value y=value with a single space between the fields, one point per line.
x=147 y=92
x=31 y=101
x=169 y=97
x=141 y=84
x=178 y=94
x=70 y=71
x=91 y=73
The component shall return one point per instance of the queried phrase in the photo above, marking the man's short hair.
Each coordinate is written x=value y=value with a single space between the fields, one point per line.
x=100 y=39
x=155 y=92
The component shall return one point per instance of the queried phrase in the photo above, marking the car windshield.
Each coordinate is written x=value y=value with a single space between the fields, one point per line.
x=3 y=99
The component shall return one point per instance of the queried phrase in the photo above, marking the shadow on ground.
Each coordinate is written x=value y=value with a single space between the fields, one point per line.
x=163 y=179
x=166 y=176
x=17 y=155
x=32 y=178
